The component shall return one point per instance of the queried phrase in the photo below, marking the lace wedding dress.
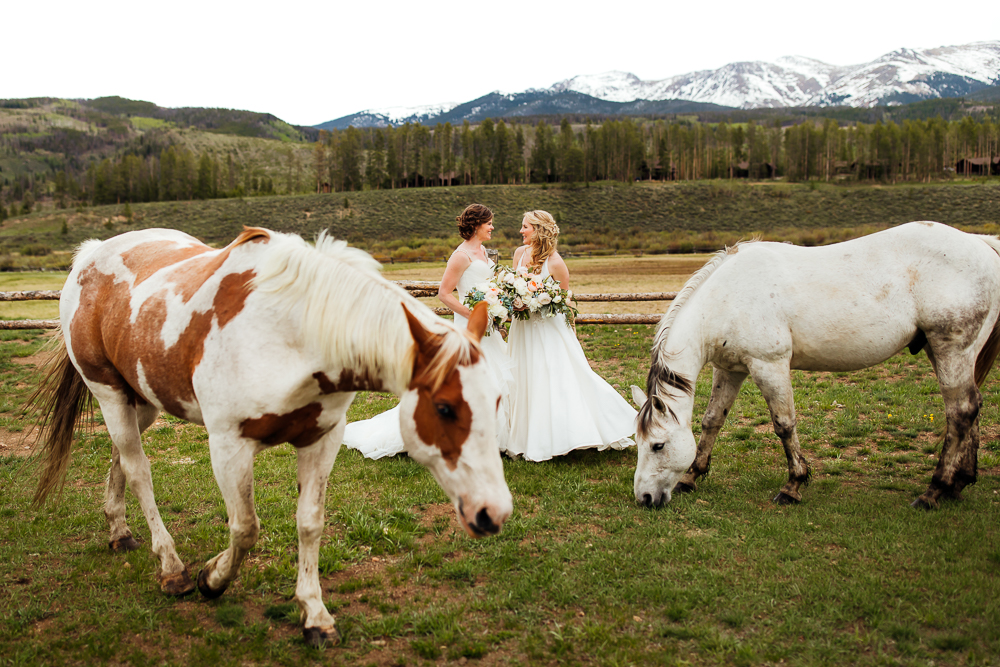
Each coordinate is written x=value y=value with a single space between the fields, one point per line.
x=560 y=404
x=380 y=436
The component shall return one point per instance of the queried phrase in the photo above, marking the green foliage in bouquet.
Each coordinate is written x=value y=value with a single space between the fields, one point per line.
x=519 y=294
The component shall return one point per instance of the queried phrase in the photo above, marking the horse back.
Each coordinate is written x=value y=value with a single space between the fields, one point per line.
x=853 y=304
x=137 y=309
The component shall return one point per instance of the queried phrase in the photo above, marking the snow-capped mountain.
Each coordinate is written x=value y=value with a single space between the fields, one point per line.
x=903 y=76
x=392 y=116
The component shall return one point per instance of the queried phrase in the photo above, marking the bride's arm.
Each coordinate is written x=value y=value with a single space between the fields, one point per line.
x=457 y=264
x=558 y=270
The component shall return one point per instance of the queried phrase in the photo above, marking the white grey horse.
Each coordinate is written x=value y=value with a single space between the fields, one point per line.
x=762 y=309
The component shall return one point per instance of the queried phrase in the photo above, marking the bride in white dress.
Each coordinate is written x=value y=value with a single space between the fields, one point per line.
x=560 y=404
x=467 y=267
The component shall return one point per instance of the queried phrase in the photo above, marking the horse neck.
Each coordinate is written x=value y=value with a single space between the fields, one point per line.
x=683 y=352
x=371 y=350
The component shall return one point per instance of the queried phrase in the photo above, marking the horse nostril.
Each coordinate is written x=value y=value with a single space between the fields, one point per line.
x=647 y=500
x=485 y=523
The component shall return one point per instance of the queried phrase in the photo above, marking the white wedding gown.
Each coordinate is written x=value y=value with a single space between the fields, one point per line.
x=561 y=404
x=380 y=435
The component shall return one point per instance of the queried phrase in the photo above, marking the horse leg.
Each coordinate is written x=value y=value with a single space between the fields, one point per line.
x=957 y=466
x=114 y=490
x=122 y=421
x=725 y=389
x=232 y=462
x=315 y=463
x=774 y=382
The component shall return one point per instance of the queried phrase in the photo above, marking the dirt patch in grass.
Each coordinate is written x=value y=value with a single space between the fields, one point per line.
x=37 y=359
x=13 y=443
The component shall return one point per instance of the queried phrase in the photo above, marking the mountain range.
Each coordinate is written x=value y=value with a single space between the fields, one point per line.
x=902 y=76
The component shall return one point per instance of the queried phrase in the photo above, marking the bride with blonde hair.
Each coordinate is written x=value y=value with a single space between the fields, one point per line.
x=559 y=404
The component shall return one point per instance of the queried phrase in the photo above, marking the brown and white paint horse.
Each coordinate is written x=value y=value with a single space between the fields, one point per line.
x=265 y=341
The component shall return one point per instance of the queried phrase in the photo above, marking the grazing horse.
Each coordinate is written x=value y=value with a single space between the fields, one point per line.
x=263 y=342
x=762 y=309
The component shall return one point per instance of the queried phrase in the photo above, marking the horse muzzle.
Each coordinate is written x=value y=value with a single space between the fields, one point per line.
x=649 y=500
x=651 y=493
x=483 y=522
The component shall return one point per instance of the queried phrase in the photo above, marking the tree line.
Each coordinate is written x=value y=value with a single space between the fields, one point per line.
x=628 y=149
x=498 y=152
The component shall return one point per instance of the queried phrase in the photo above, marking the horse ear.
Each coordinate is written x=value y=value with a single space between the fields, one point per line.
x=421 y=336
x=658 y=404
x=638 y=397
x=479 y=320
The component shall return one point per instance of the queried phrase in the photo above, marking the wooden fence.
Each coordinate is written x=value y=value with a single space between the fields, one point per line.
x=418 y=288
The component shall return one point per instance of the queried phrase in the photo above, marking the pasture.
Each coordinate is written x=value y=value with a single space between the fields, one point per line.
x=580 y=575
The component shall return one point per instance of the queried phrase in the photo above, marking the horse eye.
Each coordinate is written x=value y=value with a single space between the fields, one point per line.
x=445 y=411
x=657 y=446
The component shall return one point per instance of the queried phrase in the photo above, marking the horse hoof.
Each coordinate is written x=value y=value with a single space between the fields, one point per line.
x=320 y=637
x=123 y=544
x=177 y=584
x=785 y=499
x=207 y=591
x=681 y=487
x=923 y=504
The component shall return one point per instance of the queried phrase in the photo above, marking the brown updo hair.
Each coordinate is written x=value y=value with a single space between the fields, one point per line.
x=473 y=216
x=543 y=241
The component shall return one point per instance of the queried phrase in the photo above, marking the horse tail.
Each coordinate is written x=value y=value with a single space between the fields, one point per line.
x=61 y=397
x=988 y=354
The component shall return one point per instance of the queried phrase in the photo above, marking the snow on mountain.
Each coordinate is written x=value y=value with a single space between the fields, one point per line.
x=901 y=76
x=385 y=116
x=612 y=86
x=908 y=75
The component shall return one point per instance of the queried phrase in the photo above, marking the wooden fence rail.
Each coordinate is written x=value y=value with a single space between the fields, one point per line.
x=417 y=288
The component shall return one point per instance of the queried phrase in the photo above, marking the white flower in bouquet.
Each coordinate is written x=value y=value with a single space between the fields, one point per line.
x=509 y=278
x=522 y=271
x=521 y=285
x=533 y=304
x=544 y=298
x=557 y=298
x=497 y=311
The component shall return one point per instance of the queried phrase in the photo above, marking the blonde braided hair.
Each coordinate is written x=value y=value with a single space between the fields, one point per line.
x=543 y=241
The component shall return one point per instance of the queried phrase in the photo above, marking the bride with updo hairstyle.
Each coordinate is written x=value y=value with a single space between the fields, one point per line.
x=468 y=266
x=559 y=404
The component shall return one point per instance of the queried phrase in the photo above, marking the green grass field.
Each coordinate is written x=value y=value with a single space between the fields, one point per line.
x=580 y=575
x=419 y=223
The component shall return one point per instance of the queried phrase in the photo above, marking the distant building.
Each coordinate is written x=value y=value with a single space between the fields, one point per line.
x=978 y=166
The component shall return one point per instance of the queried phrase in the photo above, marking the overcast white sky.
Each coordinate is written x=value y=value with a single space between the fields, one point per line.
x=308 y=62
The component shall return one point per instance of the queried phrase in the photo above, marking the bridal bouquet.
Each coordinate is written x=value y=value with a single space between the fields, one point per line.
x=498 y=306
x=518 y=294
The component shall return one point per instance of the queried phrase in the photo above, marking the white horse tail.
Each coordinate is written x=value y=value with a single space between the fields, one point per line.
x=988 y=354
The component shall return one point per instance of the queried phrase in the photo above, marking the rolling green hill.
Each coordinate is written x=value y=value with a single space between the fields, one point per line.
x=651 y=217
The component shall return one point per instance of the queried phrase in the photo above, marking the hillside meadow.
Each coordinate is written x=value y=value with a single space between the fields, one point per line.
x=580 y=575
x=603 y=218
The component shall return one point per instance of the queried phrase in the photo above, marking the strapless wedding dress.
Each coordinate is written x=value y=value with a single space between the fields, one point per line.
x=560 y=404
x=380 y=435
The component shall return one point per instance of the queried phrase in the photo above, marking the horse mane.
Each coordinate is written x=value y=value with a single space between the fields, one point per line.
x=350 y=314
x=662 y=380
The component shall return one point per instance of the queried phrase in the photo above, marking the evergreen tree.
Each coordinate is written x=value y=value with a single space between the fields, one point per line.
x=203 y=186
